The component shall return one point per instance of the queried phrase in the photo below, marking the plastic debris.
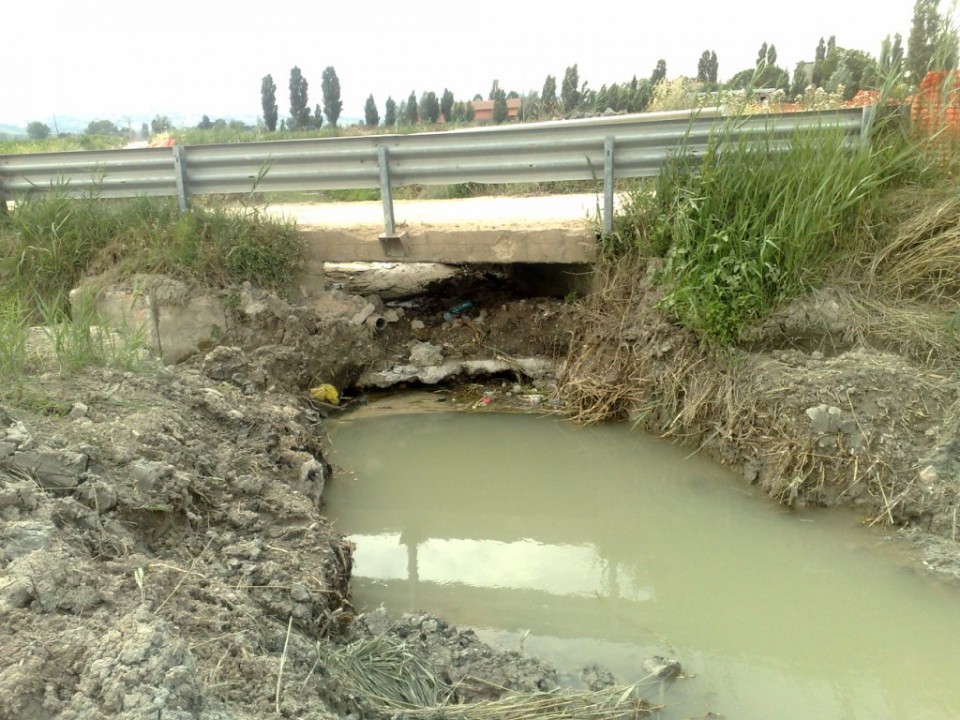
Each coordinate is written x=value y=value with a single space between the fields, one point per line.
x=451 y=314
x=325 y=392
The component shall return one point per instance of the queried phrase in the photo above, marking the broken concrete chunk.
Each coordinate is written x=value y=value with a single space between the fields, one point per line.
x=52 y=469
x=424 y=354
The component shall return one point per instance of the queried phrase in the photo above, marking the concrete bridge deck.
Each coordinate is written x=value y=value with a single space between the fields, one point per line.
x=550 y=229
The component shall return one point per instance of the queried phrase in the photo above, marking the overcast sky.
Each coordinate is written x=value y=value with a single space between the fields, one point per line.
x=111 y=58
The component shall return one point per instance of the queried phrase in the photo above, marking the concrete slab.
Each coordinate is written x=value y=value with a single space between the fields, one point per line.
x=550 y=229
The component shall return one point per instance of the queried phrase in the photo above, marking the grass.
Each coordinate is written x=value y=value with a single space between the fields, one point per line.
x=49 y=243
x=391 y=677
x=20 y=146
x=751 y=225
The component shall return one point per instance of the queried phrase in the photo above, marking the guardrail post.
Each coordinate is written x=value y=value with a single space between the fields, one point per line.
x=180 y=172
x=608 y=177
x=392 y=243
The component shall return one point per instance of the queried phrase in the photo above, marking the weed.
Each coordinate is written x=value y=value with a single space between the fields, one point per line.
x=752 y=223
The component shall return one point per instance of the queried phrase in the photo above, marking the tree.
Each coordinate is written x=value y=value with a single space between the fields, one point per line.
x=429 y=107
x=762 y=55
x=921 y=44
x=891 y=56
x=160 y=124
x=268 y=101
x=500 y=107
x=101 y=127
x=494 y=89
x=317 y=120
x=38 y=130
x=330 y=87
x=570 y=90
x=205 y=123
x=144 y=131
x=370 y=115
x=299 y=104
x=446 y=105
x=799 y=83
x=548 y=96
x=818 y=58
x=659 y=73
x=707 y=67
x=390 y=112
x=772 y=54
x=411 y=114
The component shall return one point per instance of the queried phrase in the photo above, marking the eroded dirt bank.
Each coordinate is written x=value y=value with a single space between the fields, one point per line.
x=165 y=552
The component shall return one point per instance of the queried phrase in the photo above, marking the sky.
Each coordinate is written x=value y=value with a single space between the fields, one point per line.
x=116 y=60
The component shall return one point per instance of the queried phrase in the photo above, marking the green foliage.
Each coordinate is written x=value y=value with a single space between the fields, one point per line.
x=921 y=45
x=47 y=244
x=330 y=86
x=411 y=114
x=429 y=107
x=370 y=115
x=205 y=123
x=390 y=112
x=659 y=73
x=268 y=102
x=548 y=96
x=299 y=102
x=102 y=127
x=446 y=105
x=500 y=111
x=707 y=67
x=570 y=90
x=750 y=225
x=316 y=122
x=160 y=124
x=891 y=56
x=38 y=131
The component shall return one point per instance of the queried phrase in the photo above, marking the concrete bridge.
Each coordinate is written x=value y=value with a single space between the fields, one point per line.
x=555 y=229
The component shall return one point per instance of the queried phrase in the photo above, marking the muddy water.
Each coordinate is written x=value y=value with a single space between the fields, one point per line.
x=600 y=545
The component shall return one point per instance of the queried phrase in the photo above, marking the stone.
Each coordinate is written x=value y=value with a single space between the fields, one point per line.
x=52 y=469
x=97 y=495
x=417 y=325
x=425 y=355
x=79 y=410
x=147 y=474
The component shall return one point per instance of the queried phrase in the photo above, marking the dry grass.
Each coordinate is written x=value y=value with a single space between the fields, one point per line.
x=629 y=361
x=921 y=260
x=392 y=677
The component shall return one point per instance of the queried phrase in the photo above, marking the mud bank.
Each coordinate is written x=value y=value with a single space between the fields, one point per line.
x=164 y=547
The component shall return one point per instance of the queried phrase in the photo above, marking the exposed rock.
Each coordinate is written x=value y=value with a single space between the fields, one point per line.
x=52 y=469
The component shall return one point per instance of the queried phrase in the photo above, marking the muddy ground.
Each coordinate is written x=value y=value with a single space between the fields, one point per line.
x=164 y=547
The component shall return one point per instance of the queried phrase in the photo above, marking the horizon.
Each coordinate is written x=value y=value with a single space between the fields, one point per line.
x=151 y=59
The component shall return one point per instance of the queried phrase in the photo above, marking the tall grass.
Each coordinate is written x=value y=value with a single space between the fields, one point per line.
x=753 y=223
x=48 y=243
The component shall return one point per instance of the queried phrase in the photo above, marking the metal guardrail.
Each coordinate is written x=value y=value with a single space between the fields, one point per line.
x=621 y=146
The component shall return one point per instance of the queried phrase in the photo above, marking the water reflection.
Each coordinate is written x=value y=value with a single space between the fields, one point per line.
x=608 y=548
x=517 y=565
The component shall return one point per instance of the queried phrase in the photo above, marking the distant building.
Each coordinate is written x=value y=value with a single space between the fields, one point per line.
x=484 y=109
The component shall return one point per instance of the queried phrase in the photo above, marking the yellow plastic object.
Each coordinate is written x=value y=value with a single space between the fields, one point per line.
x=325 y=393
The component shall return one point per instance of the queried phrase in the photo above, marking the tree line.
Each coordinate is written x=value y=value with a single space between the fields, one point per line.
x=932 y=44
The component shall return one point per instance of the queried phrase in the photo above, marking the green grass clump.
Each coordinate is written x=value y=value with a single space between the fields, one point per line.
x=49 y=243
x=751 y=224
x=19 y=146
